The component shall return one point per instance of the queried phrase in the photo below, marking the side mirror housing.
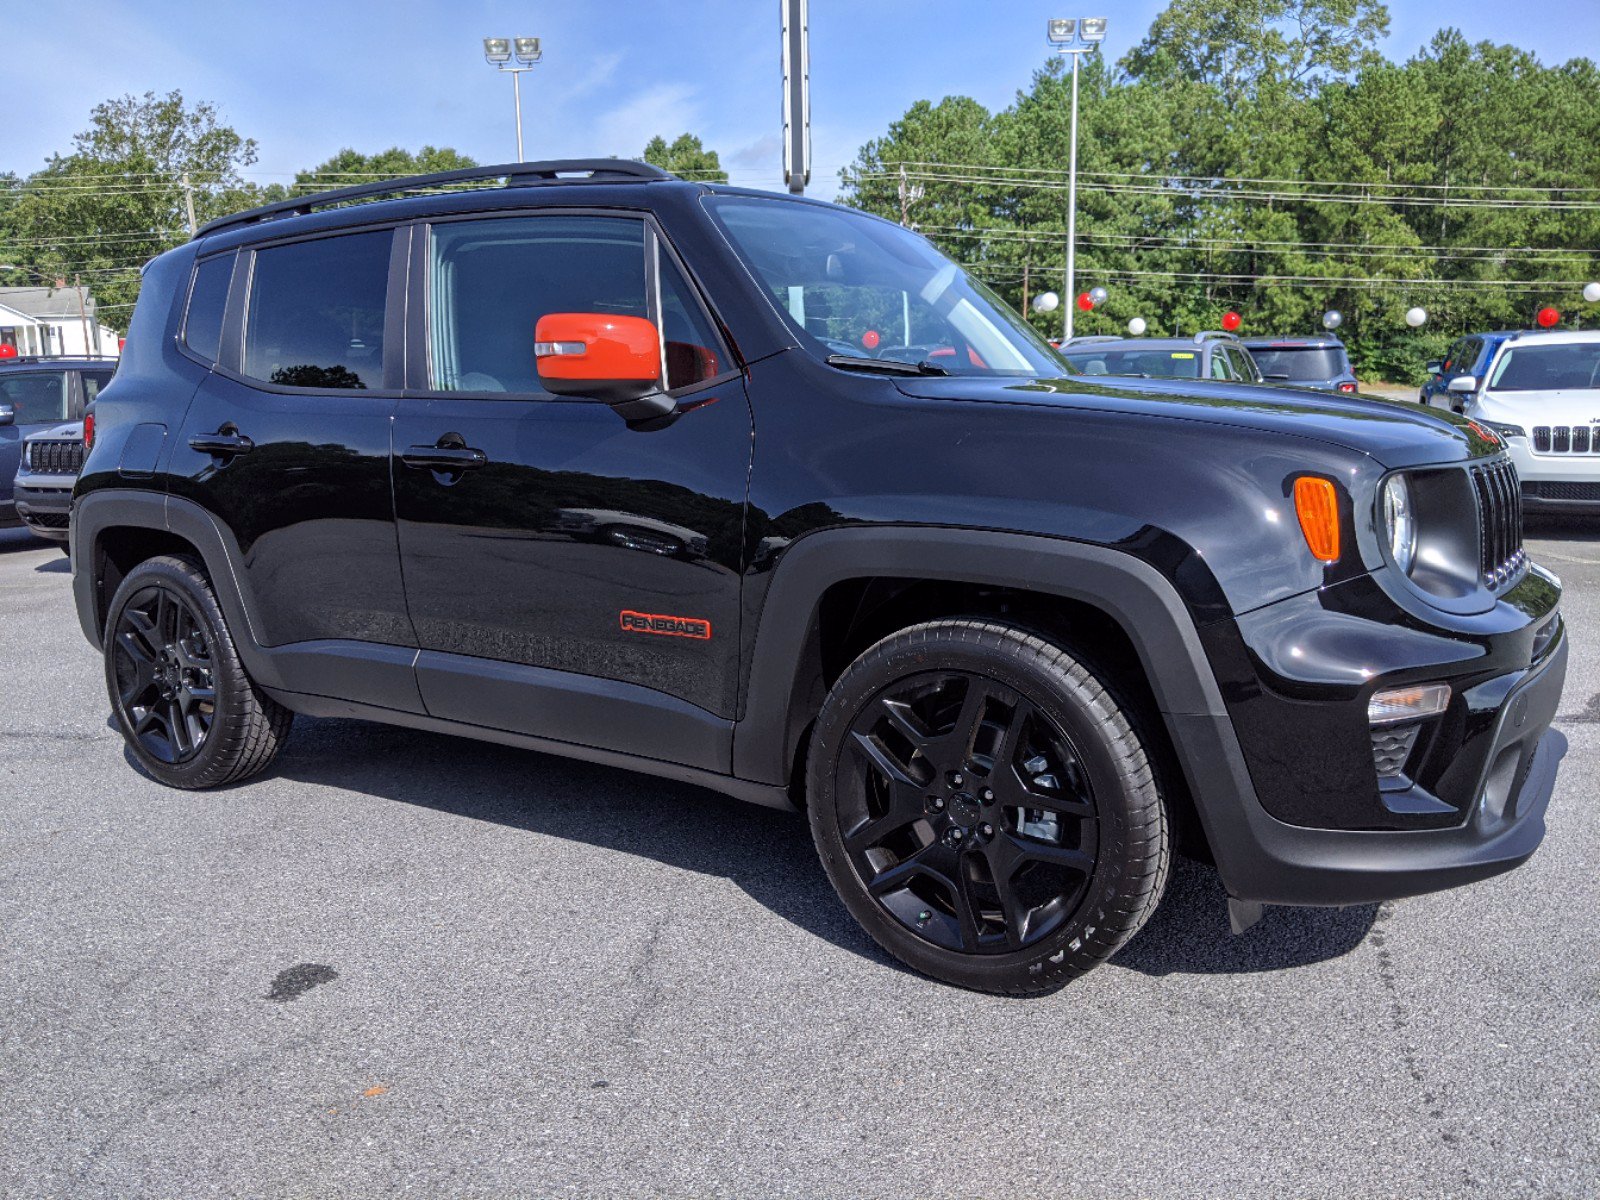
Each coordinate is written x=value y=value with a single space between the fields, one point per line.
x=615 y=360
x=8 y=415
x=1463 y=385
x=1434 y=368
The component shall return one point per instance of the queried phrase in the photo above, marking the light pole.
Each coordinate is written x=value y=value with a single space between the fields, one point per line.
x=497 y=52
x=1077 y=38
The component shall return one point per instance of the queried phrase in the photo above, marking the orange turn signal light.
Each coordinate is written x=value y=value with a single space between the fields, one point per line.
x=1317 y=506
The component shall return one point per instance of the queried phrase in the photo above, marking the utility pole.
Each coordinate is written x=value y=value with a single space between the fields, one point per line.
x=796 y=95
x=498 y=52
x=188 y=202
x=83 y=316
x=910 y=193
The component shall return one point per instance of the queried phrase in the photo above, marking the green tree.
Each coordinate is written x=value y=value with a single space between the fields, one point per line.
x=686 y=158
x=119 y=197
x=350 y=167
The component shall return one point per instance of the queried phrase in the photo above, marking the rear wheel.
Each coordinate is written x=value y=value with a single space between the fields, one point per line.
x=984 y=808
x=190 y=714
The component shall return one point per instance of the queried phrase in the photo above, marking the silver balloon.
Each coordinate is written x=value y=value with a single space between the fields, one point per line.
x=1416 y=317
x=1332 y=319
x=1098 y=295
x=1046 y=302
x=1137 y=327
x=1591 y=292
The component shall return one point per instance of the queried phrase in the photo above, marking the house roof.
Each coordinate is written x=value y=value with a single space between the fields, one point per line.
x=45 y=301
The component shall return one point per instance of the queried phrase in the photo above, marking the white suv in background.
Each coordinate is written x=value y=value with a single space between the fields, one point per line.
x=1541 y=393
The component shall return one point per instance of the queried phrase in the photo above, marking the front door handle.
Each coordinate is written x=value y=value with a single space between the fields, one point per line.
x=224 y=443
x=443 y=457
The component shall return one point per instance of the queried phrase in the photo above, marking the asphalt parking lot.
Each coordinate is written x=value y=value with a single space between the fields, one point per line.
x=405 y=963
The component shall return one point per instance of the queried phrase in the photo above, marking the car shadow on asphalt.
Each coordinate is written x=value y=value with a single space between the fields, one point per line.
x=766 y=853
x=60 y=565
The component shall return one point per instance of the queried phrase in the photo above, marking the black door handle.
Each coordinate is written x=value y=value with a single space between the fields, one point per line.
x=221 y=443
x=443 y=458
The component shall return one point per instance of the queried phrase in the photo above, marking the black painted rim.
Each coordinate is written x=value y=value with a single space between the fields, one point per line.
x=966 y=812
x=161 y=664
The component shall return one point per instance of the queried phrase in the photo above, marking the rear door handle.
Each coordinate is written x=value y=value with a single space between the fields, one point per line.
x=221 y=443
x=443 y=458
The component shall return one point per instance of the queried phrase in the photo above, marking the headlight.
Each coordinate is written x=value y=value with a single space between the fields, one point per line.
x=1399 y=521
x=1503 y=429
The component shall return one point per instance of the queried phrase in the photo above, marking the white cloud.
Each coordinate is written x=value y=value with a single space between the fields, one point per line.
x=668 y=109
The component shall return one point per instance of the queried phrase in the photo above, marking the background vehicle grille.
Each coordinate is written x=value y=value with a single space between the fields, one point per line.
x=1499 y=522
x=1555 y=489
x=1565 y=439
x=55 y=457
x=49 y=520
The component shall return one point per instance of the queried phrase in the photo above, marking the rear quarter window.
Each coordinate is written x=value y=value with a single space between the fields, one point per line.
x=208 y=297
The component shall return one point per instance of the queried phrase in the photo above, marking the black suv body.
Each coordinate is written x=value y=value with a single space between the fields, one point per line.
x=1004 y=633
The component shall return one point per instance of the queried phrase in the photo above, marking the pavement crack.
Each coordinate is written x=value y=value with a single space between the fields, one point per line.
x=1399 y=1019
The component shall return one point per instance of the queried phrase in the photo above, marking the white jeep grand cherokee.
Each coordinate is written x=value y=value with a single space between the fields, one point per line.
x=1541 y=393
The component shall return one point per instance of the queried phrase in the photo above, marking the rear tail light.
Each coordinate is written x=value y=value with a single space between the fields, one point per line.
x=1317 y=506
x=88 y=430
x=1347 y=387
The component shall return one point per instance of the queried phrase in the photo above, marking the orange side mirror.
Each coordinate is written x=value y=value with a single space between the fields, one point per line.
x=599 y=356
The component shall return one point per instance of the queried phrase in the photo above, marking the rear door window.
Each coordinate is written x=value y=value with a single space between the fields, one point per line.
x=93 y=382
x=316 y=311
x=36 y=397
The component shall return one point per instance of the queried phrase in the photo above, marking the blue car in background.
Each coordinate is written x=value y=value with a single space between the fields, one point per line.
x=1470 y=355
x=1308 y=362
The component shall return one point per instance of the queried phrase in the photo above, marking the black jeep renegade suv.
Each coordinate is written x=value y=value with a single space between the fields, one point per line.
x=769 y=495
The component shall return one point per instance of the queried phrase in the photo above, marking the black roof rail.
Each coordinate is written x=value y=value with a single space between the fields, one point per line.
x=37 y=358
x=559 y=170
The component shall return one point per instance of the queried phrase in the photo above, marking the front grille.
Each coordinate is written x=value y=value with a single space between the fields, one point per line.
x=55 y=457
x=1500 y=556
x=1391 y=748
x=1565 y=439
x=1553 y=489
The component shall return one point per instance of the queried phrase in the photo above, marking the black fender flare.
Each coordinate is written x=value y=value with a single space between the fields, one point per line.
x=1133 y=593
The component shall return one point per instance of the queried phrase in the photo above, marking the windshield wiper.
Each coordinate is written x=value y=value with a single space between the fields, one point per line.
x=887 y=366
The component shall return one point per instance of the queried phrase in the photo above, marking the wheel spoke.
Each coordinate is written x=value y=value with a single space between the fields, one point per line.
x=880 y=758
x=142 y=639
x=966 y=909
x=874 y=831
x=898 y=714
x=144 y=678
x=1071 y=858
x=177 y=727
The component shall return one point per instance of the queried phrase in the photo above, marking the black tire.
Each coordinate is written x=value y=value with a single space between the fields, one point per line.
x=190 y=714
x=939 y=728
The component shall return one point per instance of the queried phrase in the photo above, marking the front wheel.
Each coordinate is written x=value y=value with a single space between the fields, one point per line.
x=190 y=714
x=984 y=808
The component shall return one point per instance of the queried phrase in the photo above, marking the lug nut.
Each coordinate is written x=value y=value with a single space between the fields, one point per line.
x=935 y=804
x=986 y=829
x=956 y=835
x=957 y=779
x=987 y=795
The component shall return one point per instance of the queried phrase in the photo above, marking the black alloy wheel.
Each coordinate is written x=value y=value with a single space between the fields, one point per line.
x=967 y=813
x=190 y=713
x=165 y=694
x=984 y=806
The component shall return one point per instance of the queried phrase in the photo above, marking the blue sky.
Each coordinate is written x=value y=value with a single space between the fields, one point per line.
x=305 y=79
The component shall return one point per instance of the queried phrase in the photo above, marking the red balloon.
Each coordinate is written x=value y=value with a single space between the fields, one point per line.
x=1085 y=301
x=1231 y=321
x=870 y=339
x=7 y=351
x=1548 y=317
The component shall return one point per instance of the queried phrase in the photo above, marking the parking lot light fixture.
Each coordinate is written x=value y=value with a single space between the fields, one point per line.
x=1069 y=35
x=497 y=52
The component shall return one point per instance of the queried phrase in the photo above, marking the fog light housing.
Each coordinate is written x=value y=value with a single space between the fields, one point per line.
x=1416 y=702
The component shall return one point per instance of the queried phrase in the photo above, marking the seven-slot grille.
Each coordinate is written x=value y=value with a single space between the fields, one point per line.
x=55 y=457
x=1565 y=439
x=1499 y=522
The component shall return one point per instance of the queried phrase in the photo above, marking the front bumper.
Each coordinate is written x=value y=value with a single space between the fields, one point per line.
x=1267 y=861
x=44 y=505
x=1556 y=482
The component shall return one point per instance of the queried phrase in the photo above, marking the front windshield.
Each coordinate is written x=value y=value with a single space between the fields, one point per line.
x=1536 y=368
x=1156 y=364
x=863 y=288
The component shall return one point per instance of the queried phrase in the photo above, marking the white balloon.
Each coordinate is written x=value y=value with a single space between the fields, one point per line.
x=1098 y=295
x=1591 y=292
x=1332 y=319
x=1416 y=317
x=1137 y=326
x=1046 y=302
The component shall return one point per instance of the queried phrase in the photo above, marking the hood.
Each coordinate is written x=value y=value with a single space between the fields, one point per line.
x=72 y=430
x=1564 y=406
x=1395 y=433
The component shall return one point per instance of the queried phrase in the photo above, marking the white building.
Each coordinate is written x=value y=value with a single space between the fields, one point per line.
x=53 y=320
